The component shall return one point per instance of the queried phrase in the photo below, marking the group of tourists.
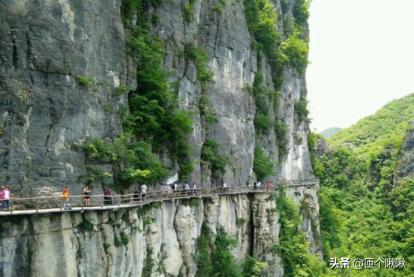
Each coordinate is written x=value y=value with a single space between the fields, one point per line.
x=87 y=192
x=5 y=197
x=186 y=188
x=259 y=186
x=139 y=195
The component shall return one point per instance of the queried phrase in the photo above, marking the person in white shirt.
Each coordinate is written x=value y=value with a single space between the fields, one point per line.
x=186 y=188
x=143 y=190
x=225 y=186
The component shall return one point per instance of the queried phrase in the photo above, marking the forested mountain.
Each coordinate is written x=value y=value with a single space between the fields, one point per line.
x=327 y=133
x=367 y=192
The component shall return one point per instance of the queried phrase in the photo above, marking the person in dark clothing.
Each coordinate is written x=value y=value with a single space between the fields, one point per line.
x=108 y=196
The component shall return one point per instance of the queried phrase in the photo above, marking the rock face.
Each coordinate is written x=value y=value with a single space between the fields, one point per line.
x=406 y=160
x=60 y=62
x=122 y=243
x=46 y=113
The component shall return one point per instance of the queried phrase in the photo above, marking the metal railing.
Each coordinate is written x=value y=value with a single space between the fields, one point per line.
x=48 y=204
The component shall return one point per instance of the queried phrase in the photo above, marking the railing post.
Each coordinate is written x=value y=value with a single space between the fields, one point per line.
x=37 y=204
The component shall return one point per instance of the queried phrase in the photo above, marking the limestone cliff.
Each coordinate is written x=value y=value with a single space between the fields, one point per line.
x=60 y=64
x=160 y=239
x=62 y=60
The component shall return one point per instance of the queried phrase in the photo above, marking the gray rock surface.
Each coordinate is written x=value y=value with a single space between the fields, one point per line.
x=117 y=243
x=46 y=114
x=406 y=160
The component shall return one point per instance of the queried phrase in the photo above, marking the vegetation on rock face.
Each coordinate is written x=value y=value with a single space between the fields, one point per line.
x=301 y=109
x=293 y=247
x=85 y=81
x=365 y=210
x=262 y=165
x=214 y=256
x=210 y=154
x=262 y=18
x=154 y=125
x=294 y=51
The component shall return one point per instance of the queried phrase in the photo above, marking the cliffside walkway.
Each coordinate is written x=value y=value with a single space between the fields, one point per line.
x=54 y=204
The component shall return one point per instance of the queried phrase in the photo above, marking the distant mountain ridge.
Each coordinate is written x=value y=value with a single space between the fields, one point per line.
x=387 y=126
x=327 y=133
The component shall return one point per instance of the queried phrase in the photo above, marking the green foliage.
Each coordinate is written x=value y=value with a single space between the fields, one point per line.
x=134 y=161
x=203 y=255
x=192 y=202
x=199 y=57
x=262 y=165
x=85 y=81
x=301 y=12
x=262 y=23
x=372 y=134
x=154 y=124
x=223 y=261
x=294 y=51
x=86 y=225
x=149 y=263
x=188 y=10
x=206 y=111
x=262 y=122
x=124 y=238
x=219 y=6
x=293 y=247
x=252 y=268
x=365 y=210
x=214 y=258
x=356 y=214
x=121 y=90
x=330 y=132
x=301 y=109
x=210 y=154
x=280 y=130
x=240 y=221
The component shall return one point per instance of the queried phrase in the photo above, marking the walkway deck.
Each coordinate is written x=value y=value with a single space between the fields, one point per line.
x=54 y=204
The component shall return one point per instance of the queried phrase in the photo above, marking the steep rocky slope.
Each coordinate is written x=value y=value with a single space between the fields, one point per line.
x=160 y=239
x=70 y=72
x=62 y=61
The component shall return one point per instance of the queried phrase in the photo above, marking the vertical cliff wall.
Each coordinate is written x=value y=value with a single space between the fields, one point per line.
x=46 y=111
x=62 y=61
x=157 y=240
x=67 y=74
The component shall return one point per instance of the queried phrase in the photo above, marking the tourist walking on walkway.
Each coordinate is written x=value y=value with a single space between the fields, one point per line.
x=143 y=191
x=87 y=195
x=6 y=198
x=194 y=188
x=225 y=187
x=186 y=188
x=65 y=196
x=108 y=196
